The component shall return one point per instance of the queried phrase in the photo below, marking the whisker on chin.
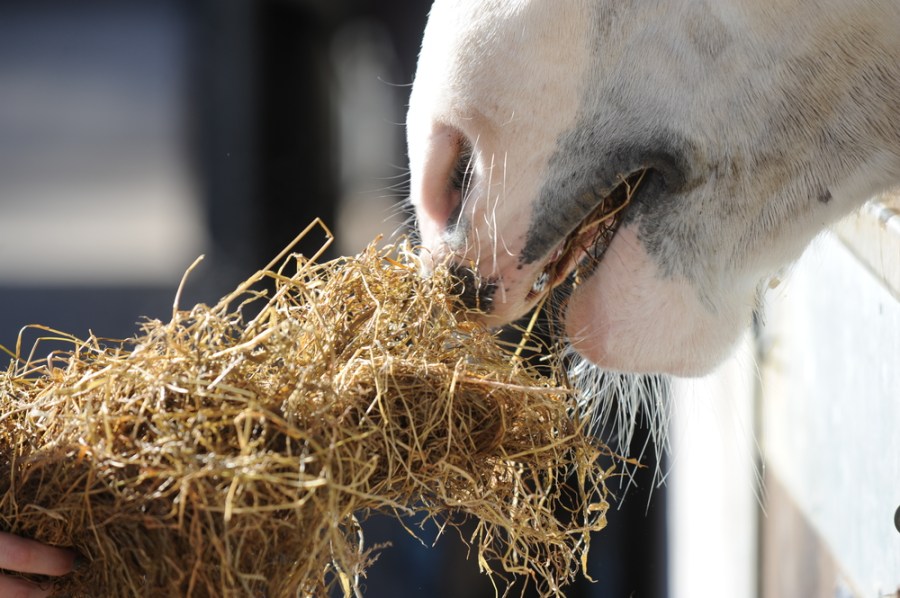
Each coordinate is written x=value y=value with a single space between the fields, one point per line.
x=618 y=404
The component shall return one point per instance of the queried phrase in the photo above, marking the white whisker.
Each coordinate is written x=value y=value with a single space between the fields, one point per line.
x=466 y=191
x=503 y=191
x=617 y=404
x=489 y=215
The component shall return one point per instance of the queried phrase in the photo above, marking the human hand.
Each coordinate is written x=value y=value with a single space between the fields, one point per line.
x=28 y=556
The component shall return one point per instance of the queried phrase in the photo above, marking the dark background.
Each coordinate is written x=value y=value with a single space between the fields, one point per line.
x=137 y=134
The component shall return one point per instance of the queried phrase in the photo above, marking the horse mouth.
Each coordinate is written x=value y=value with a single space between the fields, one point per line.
x=581 y=251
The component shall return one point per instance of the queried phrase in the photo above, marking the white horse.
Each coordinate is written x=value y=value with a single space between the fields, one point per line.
x=756 y=123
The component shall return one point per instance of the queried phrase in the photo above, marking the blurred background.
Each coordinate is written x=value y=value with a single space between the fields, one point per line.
x=136 y=135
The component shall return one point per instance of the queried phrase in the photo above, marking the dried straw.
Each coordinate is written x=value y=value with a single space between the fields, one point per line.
x=215 y=456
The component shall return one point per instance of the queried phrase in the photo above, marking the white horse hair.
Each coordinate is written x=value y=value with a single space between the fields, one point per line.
x=757 y=124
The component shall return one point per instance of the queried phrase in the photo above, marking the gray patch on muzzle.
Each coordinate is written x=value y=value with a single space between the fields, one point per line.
x=586 y=168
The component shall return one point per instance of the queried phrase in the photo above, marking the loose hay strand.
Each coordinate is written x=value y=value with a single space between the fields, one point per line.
x=213 y=455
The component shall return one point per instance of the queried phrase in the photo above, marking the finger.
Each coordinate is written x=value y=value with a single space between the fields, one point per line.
x=19 y=588
x=28 y=556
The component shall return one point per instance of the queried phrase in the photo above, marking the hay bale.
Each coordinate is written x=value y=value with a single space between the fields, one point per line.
x=215 y=456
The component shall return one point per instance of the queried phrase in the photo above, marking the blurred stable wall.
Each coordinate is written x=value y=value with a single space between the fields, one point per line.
x=138 y=134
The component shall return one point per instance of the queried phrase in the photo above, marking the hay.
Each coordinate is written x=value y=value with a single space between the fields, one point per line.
x=219 y=455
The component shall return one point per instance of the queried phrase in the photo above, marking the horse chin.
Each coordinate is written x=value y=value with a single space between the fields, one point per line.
x=627 y=317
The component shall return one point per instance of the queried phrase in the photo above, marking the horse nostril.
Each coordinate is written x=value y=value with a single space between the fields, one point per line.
x=463 y=168
x=443 y=172
x=473 y=291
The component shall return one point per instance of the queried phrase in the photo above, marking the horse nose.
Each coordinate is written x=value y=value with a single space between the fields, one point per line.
x=474 y=291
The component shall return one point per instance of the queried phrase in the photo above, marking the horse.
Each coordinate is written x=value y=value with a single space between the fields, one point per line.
x=735 y=131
